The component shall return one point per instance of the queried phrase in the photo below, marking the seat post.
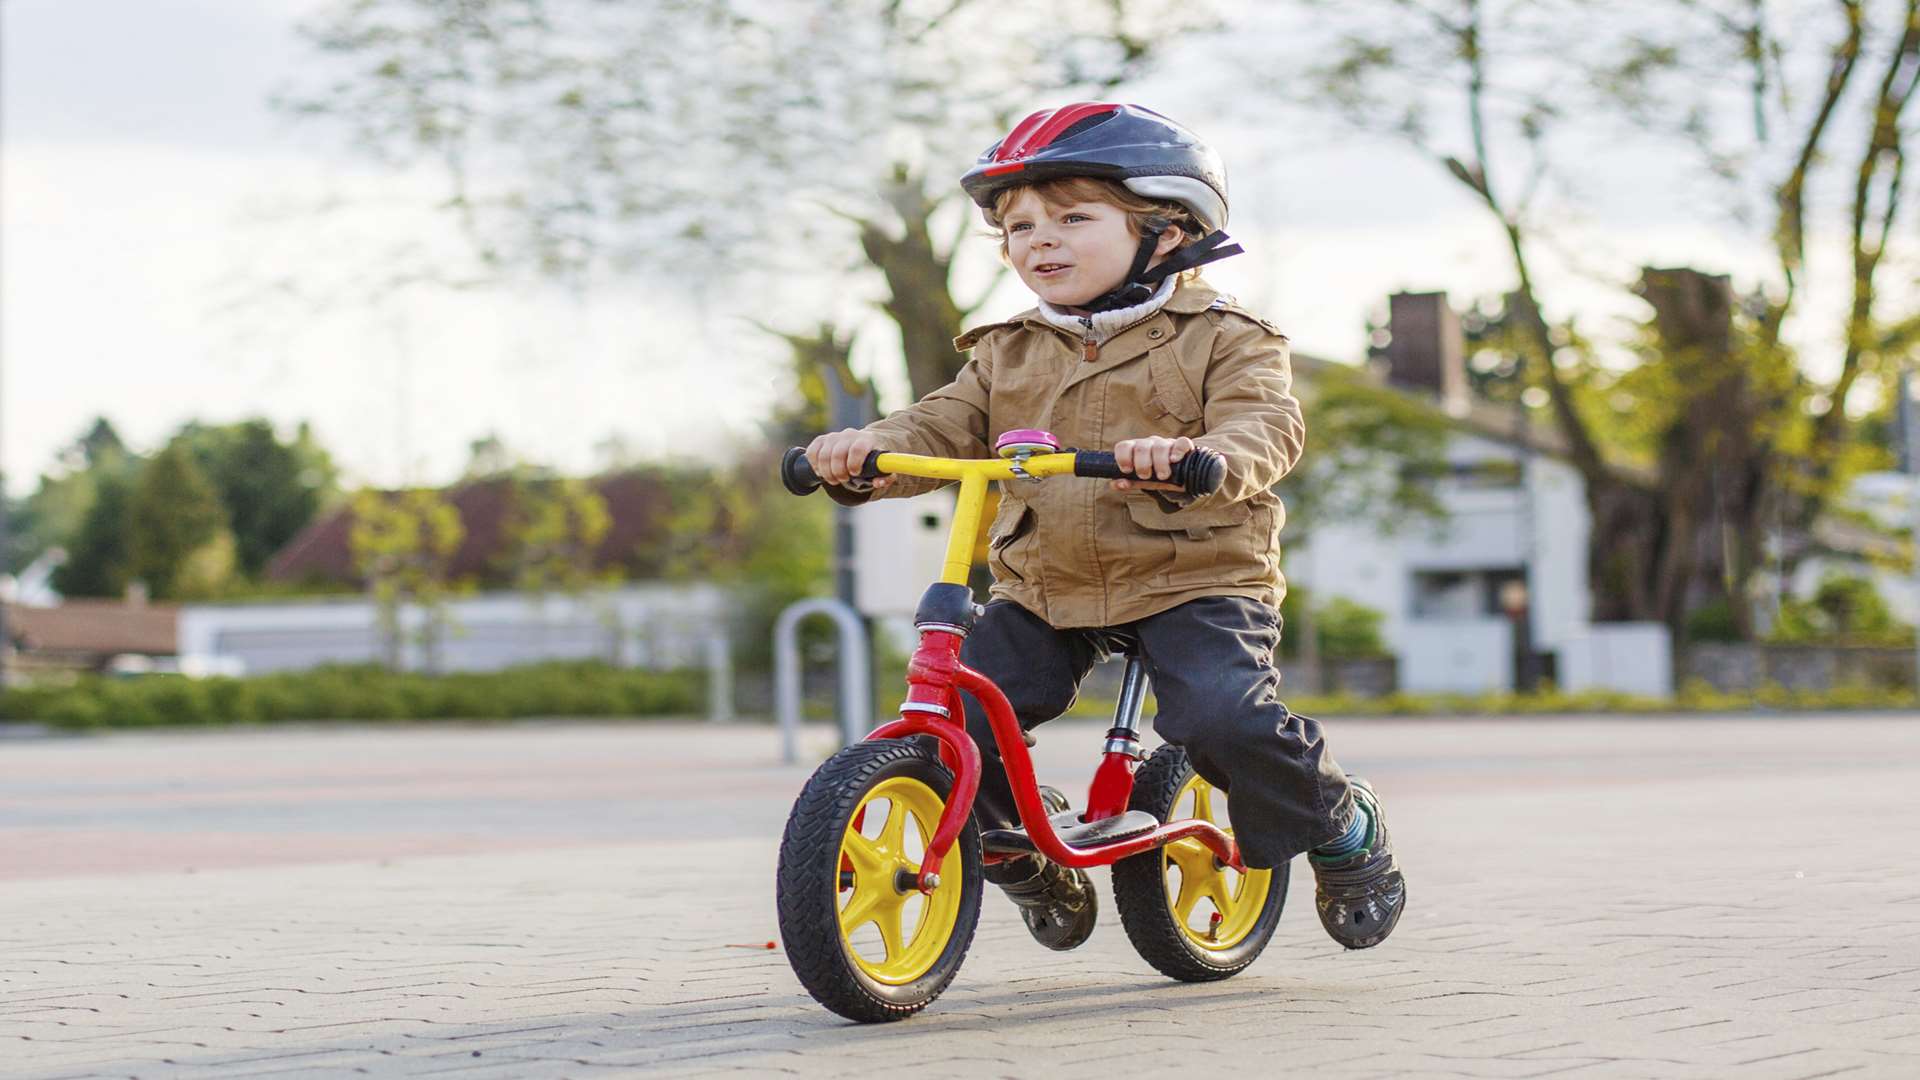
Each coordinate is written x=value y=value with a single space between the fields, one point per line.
x=1112 y=786
x=1124 y=738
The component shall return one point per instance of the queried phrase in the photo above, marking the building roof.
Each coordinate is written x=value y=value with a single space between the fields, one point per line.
x=1486 y=419
x=637 y=504
x=100 y=627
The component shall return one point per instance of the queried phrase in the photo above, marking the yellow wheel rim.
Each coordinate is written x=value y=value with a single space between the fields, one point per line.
x=894 y=936
x=1215 y=906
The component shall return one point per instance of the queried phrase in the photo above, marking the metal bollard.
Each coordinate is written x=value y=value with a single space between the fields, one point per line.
x=856 y=682
x=719 y=679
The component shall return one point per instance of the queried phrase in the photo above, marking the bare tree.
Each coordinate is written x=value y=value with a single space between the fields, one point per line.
x=1735 y=433
x=772 y=148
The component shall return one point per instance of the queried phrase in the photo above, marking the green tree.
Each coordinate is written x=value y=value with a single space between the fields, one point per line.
x=270 y=489
x=176 y=528
x=487 y=456
x=403 y=543
x=99 y=558
x=53 y=515
x=554 y=531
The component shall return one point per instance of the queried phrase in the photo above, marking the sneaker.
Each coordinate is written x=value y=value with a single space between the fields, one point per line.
x=1056 y=902
x=1361 y=895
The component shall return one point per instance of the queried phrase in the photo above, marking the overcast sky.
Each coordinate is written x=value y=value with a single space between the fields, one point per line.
x=149 y=190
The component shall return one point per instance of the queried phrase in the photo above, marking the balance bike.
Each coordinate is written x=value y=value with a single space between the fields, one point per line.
x=880 y=867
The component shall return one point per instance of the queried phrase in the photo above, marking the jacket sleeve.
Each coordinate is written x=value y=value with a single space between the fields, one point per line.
x=949 y=422
x=1251 y=414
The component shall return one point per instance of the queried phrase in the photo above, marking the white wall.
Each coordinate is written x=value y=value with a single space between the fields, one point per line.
x=1635 y=658
x=1457 y=656
x=899 y=548
x=647 y=626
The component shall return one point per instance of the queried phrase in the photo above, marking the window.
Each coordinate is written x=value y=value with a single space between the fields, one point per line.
x=1462 y=594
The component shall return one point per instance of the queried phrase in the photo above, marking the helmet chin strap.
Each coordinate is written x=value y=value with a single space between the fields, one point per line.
x=1141 y=282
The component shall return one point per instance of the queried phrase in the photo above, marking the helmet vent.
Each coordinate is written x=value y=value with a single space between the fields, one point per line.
x=1084 y=123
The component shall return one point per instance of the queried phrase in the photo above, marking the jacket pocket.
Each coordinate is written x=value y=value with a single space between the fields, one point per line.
x=1190 y=540
x=1011 y=525
x=1171 y=396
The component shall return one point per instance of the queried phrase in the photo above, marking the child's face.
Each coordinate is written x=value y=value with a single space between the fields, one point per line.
x=1071 y=254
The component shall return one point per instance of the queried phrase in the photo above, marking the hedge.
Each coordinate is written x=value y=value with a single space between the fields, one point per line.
x=358 y=693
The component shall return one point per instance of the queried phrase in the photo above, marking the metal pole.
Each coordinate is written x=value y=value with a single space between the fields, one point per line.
x=1910 y=466
x=849 y=406
x=6 y=640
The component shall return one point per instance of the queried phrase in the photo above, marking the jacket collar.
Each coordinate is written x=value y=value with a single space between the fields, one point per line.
x=1189 y=298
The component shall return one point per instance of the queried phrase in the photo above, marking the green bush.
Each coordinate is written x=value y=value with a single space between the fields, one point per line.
x=1844 y=610
x=358 y=693
x=1712 y=622
x=1346 y=629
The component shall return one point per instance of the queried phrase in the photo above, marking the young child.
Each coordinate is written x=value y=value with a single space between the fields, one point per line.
x=1104 y=211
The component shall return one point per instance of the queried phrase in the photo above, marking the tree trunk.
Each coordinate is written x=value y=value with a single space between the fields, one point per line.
x=1713 y=466
x=920 y=300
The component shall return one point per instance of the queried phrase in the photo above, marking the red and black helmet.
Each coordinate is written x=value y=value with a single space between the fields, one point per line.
x=1151 y=155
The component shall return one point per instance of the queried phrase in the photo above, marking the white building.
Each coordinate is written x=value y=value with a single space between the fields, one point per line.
x=1517 y=517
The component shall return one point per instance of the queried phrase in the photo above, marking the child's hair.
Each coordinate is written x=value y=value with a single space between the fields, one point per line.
x=1066 y=191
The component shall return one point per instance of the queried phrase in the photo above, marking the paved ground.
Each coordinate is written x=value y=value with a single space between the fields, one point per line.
x=1628 y=898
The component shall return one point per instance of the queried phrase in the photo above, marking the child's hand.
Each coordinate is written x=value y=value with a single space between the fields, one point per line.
x=836 y=457
x=1151 y=459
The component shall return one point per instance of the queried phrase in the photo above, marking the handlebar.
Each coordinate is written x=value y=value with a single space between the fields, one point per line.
x=1200 y=472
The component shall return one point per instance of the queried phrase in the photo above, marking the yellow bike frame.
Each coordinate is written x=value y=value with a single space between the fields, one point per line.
x=973 y=474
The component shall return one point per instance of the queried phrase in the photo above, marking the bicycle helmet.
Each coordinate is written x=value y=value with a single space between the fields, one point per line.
x=1150 y=155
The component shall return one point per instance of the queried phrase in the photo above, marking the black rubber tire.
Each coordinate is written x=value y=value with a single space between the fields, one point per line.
x=807 y=888
x=1140 y=890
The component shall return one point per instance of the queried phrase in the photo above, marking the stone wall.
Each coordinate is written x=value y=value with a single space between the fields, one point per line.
x=1374 y=676
x=1740 y=668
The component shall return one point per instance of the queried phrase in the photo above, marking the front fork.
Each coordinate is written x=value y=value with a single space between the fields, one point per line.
x=935 y=677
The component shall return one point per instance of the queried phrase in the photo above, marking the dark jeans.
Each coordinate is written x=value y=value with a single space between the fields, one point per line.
x=1211 y=661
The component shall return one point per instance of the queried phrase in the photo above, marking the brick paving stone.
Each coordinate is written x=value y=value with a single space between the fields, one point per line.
x=1701 y=897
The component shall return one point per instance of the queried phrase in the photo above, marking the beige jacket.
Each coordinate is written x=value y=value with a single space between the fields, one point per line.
x=1076 y=552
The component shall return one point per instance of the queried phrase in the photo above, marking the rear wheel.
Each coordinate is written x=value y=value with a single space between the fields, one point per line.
x=1189 y=915
x=863 y=939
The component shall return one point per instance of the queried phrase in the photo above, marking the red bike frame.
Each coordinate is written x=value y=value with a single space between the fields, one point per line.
x=935 y=680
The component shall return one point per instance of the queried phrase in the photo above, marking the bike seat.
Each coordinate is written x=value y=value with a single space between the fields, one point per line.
x=1110 y=642
x=1072 y=831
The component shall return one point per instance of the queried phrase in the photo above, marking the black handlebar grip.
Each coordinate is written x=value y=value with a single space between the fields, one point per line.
x=796 y=472
x=1098 y=464
x=1199 y=473
x=1202 y=471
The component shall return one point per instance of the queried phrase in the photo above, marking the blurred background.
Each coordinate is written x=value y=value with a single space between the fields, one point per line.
x=420 y=358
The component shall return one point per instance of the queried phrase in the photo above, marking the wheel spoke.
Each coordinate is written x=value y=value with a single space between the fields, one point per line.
x=1203 y=800
x=868 y=896
x=1192 y=888
x=887 y=918
x=1221 y=896
x=868 y=860
x=893 y=838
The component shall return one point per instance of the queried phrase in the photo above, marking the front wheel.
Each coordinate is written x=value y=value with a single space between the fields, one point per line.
x=863 y=940
x=1187 y=914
